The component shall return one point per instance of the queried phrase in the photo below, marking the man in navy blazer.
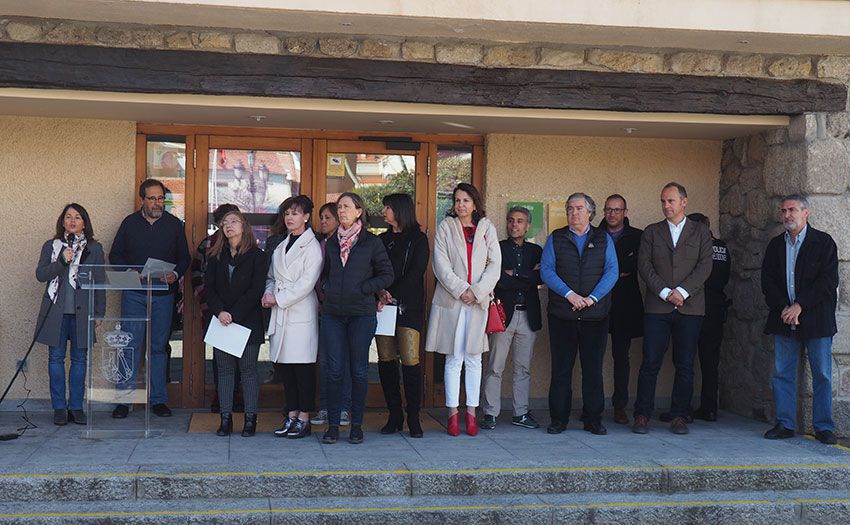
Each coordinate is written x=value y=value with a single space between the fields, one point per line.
x=799 y=279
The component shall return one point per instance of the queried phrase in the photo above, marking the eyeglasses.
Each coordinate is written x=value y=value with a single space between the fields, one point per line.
x=160 y=198
x=231 y=223
x=614 y=210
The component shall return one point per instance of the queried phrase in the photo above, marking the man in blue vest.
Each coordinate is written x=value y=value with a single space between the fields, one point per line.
x=579 y=265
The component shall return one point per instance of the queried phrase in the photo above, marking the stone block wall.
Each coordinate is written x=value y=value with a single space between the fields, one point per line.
x=811 y=156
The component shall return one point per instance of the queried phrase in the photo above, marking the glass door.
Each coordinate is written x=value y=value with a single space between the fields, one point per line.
x=374 y=169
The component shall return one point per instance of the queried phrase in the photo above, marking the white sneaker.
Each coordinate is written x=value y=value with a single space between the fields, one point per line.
x=344 y=418
x=321 y=418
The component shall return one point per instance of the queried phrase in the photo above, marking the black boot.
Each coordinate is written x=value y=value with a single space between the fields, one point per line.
x=250 y=427
x=388 y=372
x=413 y=392
x=226 y=426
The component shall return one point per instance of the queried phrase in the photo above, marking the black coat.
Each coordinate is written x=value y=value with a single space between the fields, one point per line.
x=626 y=298
x=409 y=254
x=525 y=279
x=239 y=294
x=815 y=283
x=350 y=290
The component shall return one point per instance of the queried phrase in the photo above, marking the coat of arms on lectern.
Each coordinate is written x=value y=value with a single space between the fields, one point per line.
x=116 y=361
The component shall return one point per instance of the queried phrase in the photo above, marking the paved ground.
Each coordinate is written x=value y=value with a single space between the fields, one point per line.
x=730 y=441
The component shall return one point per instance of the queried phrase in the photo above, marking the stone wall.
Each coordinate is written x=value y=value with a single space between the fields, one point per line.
x=478 y=53
x=811 y=156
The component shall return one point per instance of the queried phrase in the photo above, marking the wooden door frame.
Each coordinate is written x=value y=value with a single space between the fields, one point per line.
x=313 y=146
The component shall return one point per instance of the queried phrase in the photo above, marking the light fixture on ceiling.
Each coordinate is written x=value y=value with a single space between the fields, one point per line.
x=457 y=125
x=346 y=24
x=385 y=122
x=630 y=131
x=743 y=41
x=258 y=118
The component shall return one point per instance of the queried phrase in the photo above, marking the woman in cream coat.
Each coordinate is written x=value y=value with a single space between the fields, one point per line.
x=294 y=326
x=467 y=262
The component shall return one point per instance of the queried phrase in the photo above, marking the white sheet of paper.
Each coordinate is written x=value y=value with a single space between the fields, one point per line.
x=124 y=280
x=156 y=269
x=386 y=320
x=231 y=338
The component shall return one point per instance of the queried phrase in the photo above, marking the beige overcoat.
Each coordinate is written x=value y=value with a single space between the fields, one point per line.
x=294 y=324
x=450 y=268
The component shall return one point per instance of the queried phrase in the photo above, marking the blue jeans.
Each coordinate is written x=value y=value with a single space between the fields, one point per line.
x=786 y=353
x=56 y=368
x=347 y=336
x=657 y=330
x=134 y=304
x=345 y=400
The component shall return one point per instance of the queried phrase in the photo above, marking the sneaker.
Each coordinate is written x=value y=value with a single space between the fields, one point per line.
x=525 y=421
x=321 y=418
x=488 y=423
x=344 y=418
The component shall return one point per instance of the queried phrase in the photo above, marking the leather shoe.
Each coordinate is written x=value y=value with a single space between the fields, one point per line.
x=679 y=426
x=250 y=426
x=453 y=426
x=667 y=417
x=161 y=410
x=471 y=424
x=826 y=437
x=595 y=428
x=77 y=416
x=331 y=435
x=299 y=430
x=620 y=416
x=556 y=427
x=705 y=415
x=60 y=417
x=355 y=435
x=779 y=432
x=226 y=426
x=288 y=423
x=120 y=411
x=641 y=425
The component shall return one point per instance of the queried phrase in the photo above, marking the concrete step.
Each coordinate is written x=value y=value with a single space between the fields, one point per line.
x=767 y=507
x=69 y=484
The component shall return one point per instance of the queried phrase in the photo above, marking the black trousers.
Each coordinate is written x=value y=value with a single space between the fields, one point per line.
x=299 y=385
x=587 y=339
x=710 y=340
x=621 y=342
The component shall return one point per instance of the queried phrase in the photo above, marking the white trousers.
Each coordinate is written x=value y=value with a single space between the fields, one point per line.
x=455 y=363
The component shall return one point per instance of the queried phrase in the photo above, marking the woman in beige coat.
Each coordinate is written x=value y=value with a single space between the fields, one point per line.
x=467 y=262
x=294 y=325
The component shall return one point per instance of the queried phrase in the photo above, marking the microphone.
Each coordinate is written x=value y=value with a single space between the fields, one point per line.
x=69 y=239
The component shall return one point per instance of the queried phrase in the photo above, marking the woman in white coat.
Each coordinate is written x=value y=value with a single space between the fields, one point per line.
x=467 y=262
x=294 y=326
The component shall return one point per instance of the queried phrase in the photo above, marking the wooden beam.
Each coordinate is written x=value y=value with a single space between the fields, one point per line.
x=197 y=72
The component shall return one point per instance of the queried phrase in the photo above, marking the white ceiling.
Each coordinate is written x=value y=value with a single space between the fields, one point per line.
x=319 y=114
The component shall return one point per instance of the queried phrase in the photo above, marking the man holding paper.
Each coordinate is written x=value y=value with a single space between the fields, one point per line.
x=151 y=233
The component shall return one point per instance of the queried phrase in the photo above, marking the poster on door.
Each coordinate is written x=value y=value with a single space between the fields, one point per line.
x=336 y=165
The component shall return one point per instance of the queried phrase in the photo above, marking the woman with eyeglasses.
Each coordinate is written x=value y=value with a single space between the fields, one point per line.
x=235 y=280
x=294 y=325
x=64 y=314
x=467 y=263
x=408 y=250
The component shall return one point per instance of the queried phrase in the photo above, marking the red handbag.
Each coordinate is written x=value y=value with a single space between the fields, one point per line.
x=496 y=317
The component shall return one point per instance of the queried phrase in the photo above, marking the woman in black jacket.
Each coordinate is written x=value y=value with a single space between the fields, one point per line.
x=408 y=251
x=356 y=268
x=64 y=313
x=234 y=282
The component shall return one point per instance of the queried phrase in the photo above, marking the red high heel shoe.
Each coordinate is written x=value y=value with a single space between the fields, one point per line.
x=471 y=424
x=453 y=428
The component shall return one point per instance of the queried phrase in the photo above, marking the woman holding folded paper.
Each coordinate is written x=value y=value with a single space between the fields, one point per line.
x=408 y=251
x=294 y=325
x=234 y=283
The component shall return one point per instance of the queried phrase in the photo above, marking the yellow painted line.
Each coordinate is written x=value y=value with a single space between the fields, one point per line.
x=841 y=447
x=434 y=508
x=502 y=470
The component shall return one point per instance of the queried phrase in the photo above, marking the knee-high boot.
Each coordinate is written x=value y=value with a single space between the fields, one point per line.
x=388 y=372
x=413 y=392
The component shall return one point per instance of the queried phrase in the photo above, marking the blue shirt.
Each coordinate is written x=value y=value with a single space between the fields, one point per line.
x=792 y=250
x=557 y=285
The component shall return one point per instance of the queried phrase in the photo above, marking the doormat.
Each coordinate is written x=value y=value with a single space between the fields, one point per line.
x=269 y=421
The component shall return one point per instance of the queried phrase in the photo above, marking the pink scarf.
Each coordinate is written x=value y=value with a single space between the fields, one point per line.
x=347 y=238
